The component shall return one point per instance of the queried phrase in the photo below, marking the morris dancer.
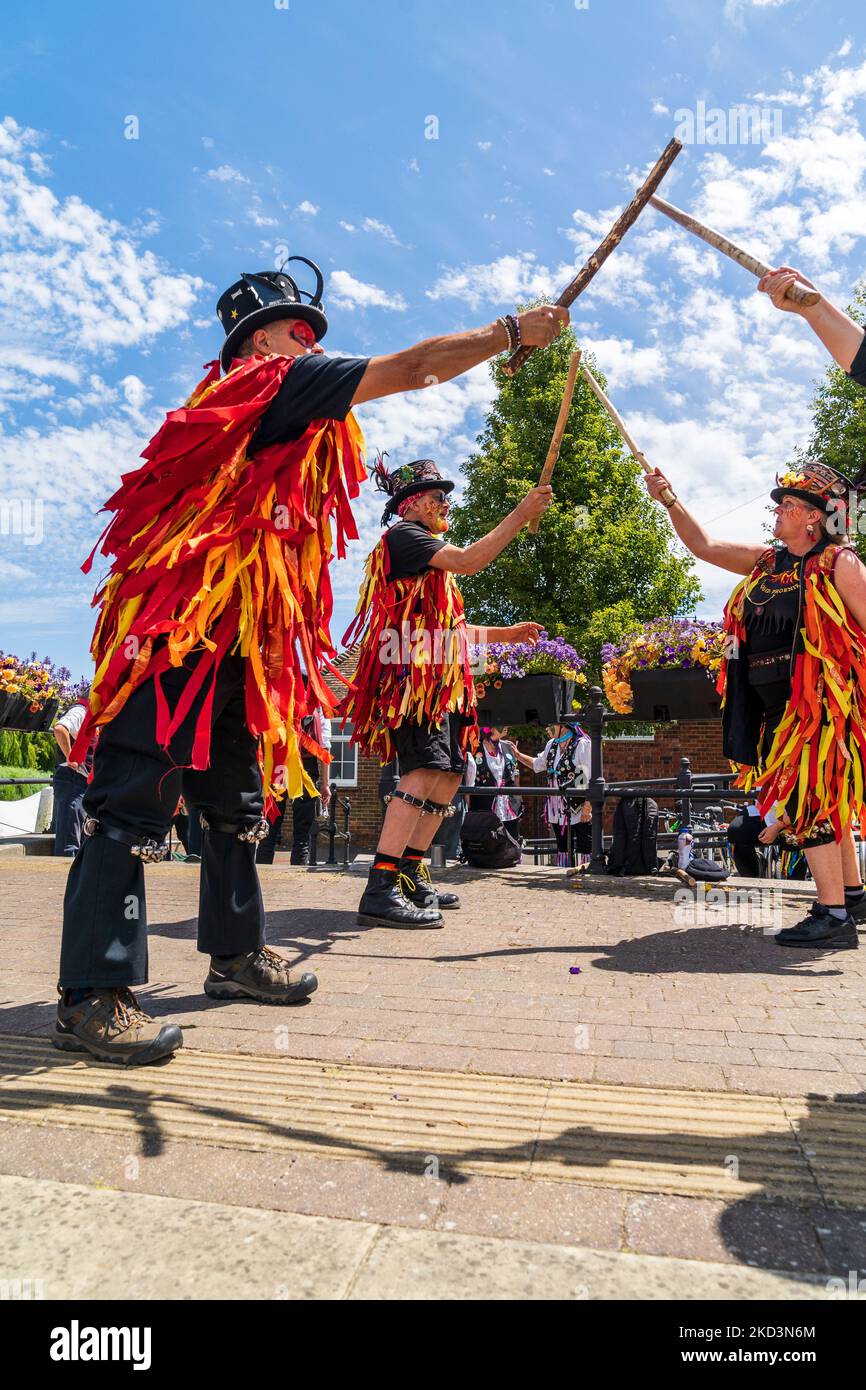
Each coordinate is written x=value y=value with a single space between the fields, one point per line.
x=217 y=601
x=842 y=337
x=413 y=695
x=793 y=685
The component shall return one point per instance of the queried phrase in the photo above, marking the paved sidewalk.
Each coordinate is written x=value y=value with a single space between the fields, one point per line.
x=237 y=1253
x=693 y=1095
x=709 y=1006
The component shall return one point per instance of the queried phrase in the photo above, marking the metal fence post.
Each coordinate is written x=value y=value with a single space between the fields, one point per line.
x=684 y=780
x=593 y=720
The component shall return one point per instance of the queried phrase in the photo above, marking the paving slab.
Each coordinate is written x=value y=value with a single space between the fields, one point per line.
x=205 y=1250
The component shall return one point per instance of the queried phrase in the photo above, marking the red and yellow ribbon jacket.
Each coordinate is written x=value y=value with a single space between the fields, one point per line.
x=414 y=659
x=815 y=766
x=217 y=552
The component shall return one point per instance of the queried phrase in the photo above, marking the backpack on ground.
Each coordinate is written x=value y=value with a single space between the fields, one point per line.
x=485 y=843
x=635 y=837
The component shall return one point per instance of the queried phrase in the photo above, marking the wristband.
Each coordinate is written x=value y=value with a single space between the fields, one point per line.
x=503 y=321
x=514 y=328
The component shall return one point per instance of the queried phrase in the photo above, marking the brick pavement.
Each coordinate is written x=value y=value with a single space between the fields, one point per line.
x=714 y=1007
x=705 y=1008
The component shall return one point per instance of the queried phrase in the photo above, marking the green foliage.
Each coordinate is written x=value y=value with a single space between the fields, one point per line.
x=603 y=560
x=35 y=751
x=22 y=789
x=10 y=748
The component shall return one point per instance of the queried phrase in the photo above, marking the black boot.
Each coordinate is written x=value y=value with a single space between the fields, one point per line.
x=300 y=855
x=858 y=912
x=821 y=931
x=383 y=905
x=422 y=893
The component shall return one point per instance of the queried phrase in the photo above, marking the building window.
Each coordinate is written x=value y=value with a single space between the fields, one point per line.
x=344 y=765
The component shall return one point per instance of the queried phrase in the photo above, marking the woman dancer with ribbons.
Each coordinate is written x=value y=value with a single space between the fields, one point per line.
x=792 y=683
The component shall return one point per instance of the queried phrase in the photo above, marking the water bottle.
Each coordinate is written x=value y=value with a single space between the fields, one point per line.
x=684 y=847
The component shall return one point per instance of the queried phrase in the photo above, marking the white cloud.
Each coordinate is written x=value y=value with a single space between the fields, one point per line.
x=659 y=109
x=501 y=281
x=736 y=9
x=307 y=208
x=376 y=228
x=380 y=229
x=485 y=145
x=226 y=174
x=348 y=293
x=625 y=365
x=90 y=286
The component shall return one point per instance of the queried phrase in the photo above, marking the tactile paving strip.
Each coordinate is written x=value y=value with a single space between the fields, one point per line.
x=689 y=1143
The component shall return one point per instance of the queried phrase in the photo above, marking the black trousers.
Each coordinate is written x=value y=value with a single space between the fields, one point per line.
x=135 y=788
x=69 y=813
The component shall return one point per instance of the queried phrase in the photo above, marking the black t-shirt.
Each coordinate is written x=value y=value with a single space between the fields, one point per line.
x=315 y=388
x=770 y=615
x=411 y=547
x=772 y=606
x=858 y=366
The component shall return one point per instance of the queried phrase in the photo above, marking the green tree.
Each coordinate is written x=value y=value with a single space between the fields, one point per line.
x=603 y=559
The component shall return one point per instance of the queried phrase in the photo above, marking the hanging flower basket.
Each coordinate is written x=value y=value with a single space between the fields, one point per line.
x=527 y=683
x=665 y=671
x=539 y=699
x=32 y=692
x=678 y=693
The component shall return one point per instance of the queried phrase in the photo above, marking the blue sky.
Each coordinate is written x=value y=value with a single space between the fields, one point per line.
x=260 y=126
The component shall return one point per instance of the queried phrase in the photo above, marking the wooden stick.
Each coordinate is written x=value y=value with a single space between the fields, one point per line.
x=610 y=243
x=636 y=453
x=556 y=441
x=801 y=294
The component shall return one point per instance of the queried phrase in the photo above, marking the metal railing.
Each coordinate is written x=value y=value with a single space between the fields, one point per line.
x=344 y=836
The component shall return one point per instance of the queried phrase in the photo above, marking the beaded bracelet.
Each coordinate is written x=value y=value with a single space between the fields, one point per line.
x=514 y=329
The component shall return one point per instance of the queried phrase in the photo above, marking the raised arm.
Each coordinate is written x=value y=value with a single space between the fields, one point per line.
x=726 y=554
x=472 y=558
x=838 y=332
x=440 y=359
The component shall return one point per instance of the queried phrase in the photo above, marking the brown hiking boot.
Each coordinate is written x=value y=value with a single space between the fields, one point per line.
x=263 y=975
x=109 y=1024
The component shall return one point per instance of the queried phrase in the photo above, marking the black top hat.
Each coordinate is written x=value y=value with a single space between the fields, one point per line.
x=406 y=481
x=818 y=484
x=255 y=300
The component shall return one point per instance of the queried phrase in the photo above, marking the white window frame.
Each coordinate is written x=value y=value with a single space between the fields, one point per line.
x=340 y=736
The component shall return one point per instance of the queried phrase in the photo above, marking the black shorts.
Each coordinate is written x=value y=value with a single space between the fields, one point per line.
x=433 y=747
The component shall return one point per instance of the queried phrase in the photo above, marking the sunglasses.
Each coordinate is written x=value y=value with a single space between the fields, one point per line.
x=303 y=334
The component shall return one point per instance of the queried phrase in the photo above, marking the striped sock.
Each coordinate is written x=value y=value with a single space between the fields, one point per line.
x=853 y=896
x=415 y=855
x=385 y=863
